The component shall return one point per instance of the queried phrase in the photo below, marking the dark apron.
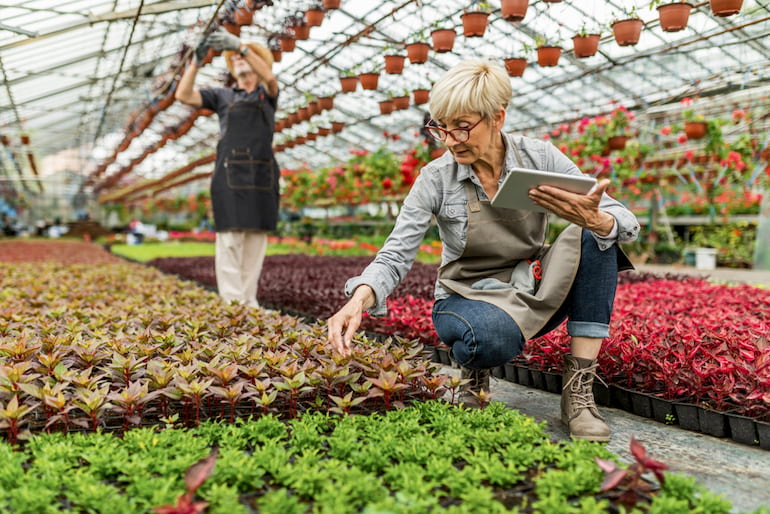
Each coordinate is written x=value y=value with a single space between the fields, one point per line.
x=244 y=188
x=497 y=240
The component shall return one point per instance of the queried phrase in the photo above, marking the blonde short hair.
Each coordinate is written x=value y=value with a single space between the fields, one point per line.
x=471 y=86
x=260 y=50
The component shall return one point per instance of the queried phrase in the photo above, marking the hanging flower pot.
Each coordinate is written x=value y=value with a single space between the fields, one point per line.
x=326 y=102
x=617 y=142
x=304 y=113
x=417 y=52
x=515 y=66
x=394 y=64
x=25 y=139
x=369 y=80
x=314 y=108
x=627 y=32
x=695 y=129
x=277 y=54
x=725 y=7
x=420 y=96
x=314 y=17
x=443 y=40
x=401 y=102
x=348 y=84
x=324 y=131
x=548 y=55
x=673 y=17
x=514 y=10
x=301 y=32
x=474 y=23
x=243 y=16
x=387 y=106
x=585 y=46
x=288 y=43
x=337 y=126
x=331 y=4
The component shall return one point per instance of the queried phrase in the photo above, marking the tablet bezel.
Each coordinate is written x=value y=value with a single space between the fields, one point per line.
x=514 y=191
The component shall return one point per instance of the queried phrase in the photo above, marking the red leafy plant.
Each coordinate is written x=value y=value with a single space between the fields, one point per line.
x=193 y=479
x=628 y=485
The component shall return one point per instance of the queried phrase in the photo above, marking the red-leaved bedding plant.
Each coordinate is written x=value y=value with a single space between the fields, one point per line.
x=120 y=345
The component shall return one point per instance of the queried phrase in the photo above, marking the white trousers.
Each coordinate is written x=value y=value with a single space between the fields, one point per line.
x=238 y=263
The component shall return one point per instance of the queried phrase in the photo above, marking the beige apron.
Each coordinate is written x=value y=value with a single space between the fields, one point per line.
x=497 y=240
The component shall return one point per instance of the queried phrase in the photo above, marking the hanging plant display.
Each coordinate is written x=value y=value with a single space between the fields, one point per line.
x=514 y=10
x=420 y=96
x=725 y=7
x=394 y=64
x=628 y=31
x=369 y=80
x=585 y=45
x=474 y=23
x=673 y=17
x=548 y=55
x=515 y=66
x=443 y=40
x=417 y=52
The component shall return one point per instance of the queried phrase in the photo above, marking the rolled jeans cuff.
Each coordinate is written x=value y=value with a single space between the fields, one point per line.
x=588 y=329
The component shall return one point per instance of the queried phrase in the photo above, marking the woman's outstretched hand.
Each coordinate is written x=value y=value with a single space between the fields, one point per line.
x=344 y=324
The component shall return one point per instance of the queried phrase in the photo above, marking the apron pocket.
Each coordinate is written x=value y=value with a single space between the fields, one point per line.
x=249 y=174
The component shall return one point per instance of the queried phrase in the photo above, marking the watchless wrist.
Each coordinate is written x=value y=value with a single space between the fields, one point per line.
x=243 y=50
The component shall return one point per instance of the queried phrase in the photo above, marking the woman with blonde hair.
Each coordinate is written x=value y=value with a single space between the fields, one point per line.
x=488 y=299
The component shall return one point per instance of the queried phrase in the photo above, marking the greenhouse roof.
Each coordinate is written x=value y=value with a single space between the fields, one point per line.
x=77 y=74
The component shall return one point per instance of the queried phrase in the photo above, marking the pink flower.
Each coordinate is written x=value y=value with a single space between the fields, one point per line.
x=739 y=114
x=686 y=101
x=665 y=130
x=682 y=139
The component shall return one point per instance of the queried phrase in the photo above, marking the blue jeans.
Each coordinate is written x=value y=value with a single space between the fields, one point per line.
x=482 y=335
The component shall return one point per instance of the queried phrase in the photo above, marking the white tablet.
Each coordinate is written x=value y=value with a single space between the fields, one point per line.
x=514 y=191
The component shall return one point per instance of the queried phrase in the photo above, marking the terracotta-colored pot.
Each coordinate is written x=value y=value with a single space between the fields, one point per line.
x=585 y=46
x=314 y=17
x=288 y=43
x=348 y=84
x=337 y=126
x=417 y=52
x=617 y=142
x=515 y=66
x=514 y=10
x=548 y=55
x=386 y=106
x=326 y=102
x=673 y=17
x=369 y=80
x=474 y=23
x=314 y=108
x=627 y=32
x=725 y=7
x=695 y=129
x=401 y=102
x=331 y=4
x=443 y=40
x=301 y=32
x=304 y=113
x=420 y=96
x=324 y=131
x=277 y=55
x=232 y=28
x=394 y=64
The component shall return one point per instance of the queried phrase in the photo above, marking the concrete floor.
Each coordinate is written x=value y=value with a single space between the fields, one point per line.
x=741 y=473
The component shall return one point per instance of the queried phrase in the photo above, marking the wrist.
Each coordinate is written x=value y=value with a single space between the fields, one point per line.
x=243 y=50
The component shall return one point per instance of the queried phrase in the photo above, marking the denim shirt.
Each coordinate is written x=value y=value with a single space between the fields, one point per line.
x=438 y=193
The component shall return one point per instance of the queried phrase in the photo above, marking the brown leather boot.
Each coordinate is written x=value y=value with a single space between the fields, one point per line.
x=578 y=408
x=479 y=380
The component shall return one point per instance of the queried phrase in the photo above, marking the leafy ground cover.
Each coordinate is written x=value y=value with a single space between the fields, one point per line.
x=423 y=458
x=678 y=337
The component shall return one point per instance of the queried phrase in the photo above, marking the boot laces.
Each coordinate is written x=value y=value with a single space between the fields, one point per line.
x=581 y=391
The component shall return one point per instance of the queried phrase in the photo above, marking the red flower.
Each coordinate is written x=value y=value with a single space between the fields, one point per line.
x=387 y=183
x=665 y=130
x=682 y=139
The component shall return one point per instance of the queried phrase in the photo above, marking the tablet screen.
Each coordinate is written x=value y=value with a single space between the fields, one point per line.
x=514 y=192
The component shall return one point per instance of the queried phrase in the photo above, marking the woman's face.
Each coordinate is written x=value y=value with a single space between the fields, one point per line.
x=481 y=136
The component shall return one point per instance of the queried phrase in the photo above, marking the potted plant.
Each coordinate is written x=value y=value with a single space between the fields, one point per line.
x=387 y=106
x=348 y=80
x=619 y=127
x=331 y=4
x=443 y=36
x=586 y=42
x=514 y=10
x=725 y=7
x=274 y=45
x=314 y=15
x=548 y=52
x=475 y=18
x=673 y=16
x=417 y=50
x=287 y=41
x=695 y=126
x=401 y=100
x=369 y=78
x=516 y=65
x=627 y=28
x=394 y=62
x=298 y=25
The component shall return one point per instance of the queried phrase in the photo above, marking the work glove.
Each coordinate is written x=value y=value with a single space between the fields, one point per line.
x=201 y=49
x=222 y=40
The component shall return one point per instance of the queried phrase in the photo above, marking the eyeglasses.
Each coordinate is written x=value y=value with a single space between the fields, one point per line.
x=460 y=134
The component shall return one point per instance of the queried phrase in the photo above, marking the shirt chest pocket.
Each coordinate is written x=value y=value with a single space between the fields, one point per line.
x=453 y=222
